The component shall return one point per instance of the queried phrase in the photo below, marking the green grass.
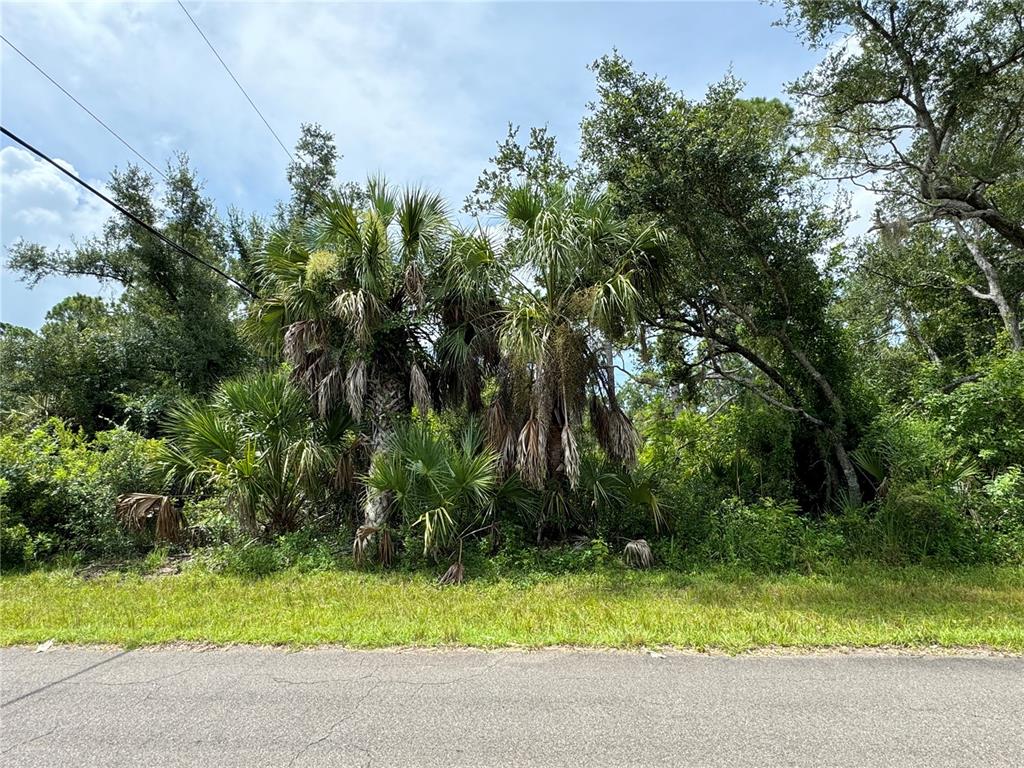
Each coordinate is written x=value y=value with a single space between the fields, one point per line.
x=725 y=610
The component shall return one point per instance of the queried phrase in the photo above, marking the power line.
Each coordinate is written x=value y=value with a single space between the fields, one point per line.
x=131 y=216
x=88 y=111
x=228 y=70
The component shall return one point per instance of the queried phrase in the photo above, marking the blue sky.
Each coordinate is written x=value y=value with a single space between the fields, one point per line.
x=419 y=91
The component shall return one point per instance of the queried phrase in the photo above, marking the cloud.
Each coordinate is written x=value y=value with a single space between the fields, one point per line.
x=40 y=205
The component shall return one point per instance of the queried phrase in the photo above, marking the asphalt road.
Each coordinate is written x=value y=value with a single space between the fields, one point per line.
x=268 y=707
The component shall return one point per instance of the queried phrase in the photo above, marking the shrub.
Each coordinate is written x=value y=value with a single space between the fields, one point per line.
x=256 y=443
x=440 y=489
x=62 y=487
x=765 y=535
x=1003 y=516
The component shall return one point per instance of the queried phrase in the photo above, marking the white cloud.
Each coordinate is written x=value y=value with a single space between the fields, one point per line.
x=40 y=205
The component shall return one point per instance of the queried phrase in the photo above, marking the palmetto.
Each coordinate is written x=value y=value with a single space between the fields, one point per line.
x=255 y=440
x=448 y=487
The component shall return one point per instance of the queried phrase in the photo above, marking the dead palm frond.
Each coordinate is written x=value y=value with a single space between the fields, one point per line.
x=357 y=309
x=296 y=338
x=454 y=575
x=344 y=472
x=638 y=554
x=136 y=510
x=414 y=285
x=385 y=548
x=501 y=437
x=329 y=391
x=361 y=543
x=532 y=454
x=355 y=388
x=599 y=423
x=570 y=456
x=623 y=439
x=419 y=390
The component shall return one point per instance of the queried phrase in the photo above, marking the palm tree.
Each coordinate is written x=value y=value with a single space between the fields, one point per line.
x=379 y=309
x=255 y=440
x=557 y=336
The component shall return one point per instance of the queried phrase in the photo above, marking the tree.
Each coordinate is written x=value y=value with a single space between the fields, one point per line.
x=921 y=103
x=535 y=164
x=737 y=294
x=312 y=173
x=588 y=269
x=903 y=298
x=174 y=315
x=378 y=309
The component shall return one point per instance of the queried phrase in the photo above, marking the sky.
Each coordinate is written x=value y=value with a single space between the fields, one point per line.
x=420 y=92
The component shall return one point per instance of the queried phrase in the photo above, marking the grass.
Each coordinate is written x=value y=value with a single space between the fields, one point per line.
x=862 y=607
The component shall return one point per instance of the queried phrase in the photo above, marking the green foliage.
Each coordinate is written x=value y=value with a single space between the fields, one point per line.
x=256 y=442
x=61 y=486
x=444 y=488
x=744 y=450
x=736 y=294
x=169 y=332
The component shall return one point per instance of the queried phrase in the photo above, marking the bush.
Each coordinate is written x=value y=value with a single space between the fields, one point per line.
x=1003 y=516
x=61 y=486
x=764 y=535
x=15 y=547
x=303 y=551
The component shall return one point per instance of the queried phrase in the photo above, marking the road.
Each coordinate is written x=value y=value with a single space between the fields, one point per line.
x=329 y=707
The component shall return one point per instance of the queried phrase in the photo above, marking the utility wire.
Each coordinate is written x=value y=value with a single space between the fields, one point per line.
x=88 y=111
x=131 y=216
x=228 y=70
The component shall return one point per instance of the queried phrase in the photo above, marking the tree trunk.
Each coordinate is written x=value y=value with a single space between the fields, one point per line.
x=849 y=472
x=609 y=366
x=995 y=289
x=906 y=315
x=842 y=457
x=385 y=404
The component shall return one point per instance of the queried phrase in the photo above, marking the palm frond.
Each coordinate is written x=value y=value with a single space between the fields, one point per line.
x=623 y=439
x=638 y=554
x=355 y=388
x=531 y=453
x=137 y=510
x=570 y=456
x=419 y=390
x=330 y=391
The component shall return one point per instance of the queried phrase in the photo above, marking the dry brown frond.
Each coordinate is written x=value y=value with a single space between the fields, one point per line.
x=344 y=472
x=295 y=338
x=414 y=285
x=385 y=548
x=570 y=456
x=623 y=439
x=361 y=543
x=599 y=423
x=357 y=309
x=355 y=388
x=419 y=390
x=496 y=423
x=638 y=554
x=329 y=391
x=532 y=454
x=135 y=510
x=454 y=575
